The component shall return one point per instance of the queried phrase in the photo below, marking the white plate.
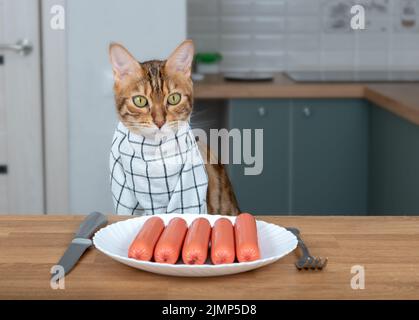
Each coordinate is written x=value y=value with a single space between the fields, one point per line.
x=115 y=239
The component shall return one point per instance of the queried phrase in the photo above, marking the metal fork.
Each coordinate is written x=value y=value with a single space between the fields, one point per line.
x=307 y=261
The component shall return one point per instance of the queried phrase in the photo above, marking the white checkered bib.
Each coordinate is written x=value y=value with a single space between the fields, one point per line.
x=155 y=176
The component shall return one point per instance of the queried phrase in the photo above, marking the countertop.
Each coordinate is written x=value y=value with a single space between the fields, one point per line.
x=385 y=246
x=400 y=98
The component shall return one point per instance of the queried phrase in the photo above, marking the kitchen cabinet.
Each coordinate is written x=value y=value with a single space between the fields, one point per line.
x=315 y=156
x=394 y=163
x=329 y=156
x=267 y=193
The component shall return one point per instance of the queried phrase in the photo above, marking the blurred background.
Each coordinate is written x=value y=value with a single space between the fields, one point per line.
x=338 y=102
x=305 y=35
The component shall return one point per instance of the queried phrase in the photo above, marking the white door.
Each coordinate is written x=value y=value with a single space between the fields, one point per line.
x=21 y=155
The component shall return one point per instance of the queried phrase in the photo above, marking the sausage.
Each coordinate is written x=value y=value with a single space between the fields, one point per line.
x=142 y=247
x=170 y=243
x=222 y=242
x=195 y=247
x=245 y=230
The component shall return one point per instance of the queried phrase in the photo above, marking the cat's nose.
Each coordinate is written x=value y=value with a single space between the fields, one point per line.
x=159 y=123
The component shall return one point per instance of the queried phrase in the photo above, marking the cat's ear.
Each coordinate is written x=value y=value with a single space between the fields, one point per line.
x=123 y=63
x=181 y=59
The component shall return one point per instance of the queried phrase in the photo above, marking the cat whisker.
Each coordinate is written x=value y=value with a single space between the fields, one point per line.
x=177 y=123
x=138 y=124
x=199 y=112
x=205 y=124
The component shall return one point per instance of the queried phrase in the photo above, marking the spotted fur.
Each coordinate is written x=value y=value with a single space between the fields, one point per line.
x=156 y=80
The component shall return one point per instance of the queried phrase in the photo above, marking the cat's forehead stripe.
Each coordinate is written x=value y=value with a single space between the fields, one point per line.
x=154 y=75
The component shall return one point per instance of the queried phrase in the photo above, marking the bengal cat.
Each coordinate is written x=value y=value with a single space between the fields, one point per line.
x=157 y=95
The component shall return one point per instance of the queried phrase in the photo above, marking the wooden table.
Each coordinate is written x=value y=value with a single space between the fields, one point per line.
x=387 y=247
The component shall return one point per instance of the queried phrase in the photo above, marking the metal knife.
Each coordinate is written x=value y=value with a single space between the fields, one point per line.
x=81 y=241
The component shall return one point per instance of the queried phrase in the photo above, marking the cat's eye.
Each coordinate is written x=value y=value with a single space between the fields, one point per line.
x=174 y=99
x=140 y=101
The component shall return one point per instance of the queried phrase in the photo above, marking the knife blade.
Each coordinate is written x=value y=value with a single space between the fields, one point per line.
x=81 y=241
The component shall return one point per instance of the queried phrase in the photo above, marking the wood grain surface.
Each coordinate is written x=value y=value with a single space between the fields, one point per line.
x=400 y=98
x=387 y=247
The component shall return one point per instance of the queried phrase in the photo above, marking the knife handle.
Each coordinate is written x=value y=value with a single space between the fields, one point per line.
x=93 y=222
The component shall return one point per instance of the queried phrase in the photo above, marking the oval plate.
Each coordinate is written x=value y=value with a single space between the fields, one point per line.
x=115 y=239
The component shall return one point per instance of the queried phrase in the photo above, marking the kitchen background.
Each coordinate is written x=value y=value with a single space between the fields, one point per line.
x=327 y=149
x=278 y=35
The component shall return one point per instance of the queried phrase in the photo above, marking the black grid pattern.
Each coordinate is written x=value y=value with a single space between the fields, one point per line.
x=155 y=176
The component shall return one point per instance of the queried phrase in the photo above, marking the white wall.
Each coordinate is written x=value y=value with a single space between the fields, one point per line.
x=149 y=29
x=280 y=35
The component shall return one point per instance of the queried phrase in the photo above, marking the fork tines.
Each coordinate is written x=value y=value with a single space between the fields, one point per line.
x=313 y=263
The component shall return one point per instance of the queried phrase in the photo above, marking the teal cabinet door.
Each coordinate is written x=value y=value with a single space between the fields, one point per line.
x=394 y=164
x=329 y=157
x=267 y=193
